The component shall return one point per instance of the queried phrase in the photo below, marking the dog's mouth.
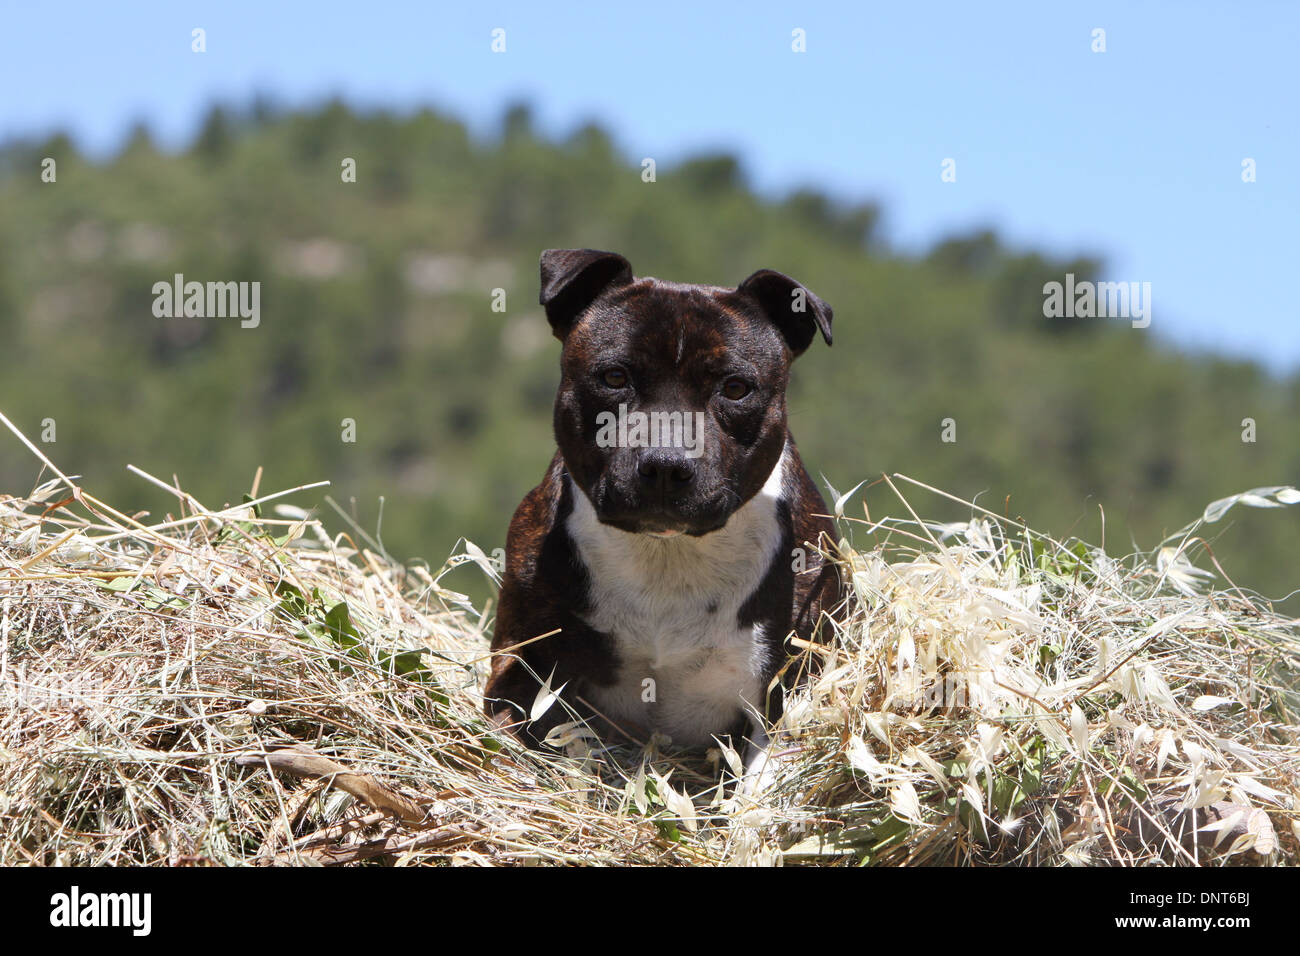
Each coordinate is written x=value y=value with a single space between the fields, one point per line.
x=662 y=526
x=685 y=516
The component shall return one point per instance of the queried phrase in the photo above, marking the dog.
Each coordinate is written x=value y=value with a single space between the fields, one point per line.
x=655 y=574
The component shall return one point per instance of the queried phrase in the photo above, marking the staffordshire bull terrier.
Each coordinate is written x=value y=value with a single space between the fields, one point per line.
x=654 y=576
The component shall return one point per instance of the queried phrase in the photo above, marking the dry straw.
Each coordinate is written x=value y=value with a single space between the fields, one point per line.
x=231 y=687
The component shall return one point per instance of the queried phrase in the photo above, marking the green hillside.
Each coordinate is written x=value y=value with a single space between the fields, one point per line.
x=376 y=306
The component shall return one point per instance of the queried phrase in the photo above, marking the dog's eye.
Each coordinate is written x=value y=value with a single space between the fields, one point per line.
x=614 y=378
x=735 y=389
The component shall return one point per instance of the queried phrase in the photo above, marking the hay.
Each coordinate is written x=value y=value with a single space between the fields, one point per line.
x=238 y=687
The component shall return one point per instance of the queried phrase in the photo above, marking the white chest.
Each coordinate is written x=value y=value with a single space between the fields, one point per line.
x=687 y=668
x=685 y=676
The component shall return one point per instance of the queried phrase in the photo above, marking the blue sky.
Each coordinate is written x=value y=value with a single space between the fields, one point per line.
x=1133 y=154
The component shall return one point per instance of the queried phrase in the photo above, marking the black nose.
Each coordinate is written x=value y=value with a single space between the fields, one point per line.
x=665 y=470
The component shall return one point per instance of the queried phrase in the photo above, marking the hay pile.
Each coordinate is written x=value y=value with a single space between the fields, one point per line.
x=239 y=687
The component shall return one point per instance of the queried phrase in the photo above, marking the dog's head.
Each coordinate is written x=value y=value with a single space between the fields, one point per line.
x=671 y=408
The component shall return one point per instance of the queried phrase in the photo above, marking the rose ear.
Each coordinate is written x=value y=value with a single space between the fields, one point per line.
x=573 y=278
x=793 y=309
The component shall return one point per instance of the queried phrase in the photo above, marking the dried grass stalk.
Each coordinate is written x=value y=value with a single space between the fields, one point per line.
x=995 y=697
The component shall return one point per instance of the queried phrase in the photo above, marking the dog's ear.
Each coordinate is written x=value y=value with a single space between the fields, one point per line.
x=793 y=309
x=572 y=278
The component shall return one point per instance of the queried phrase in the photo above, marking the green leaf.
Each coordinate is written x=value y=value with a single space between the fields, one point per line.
x=293 y=606
x=668 y=830
x=338 y=624
x=890 y=832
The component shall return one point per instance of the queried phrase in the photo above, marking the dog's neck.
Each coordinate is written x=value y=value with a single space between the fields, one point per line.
x=728 y=563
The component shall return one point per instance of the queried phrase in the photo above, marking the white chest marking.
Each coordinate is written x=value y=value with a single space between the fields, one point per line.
x=670 y=606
